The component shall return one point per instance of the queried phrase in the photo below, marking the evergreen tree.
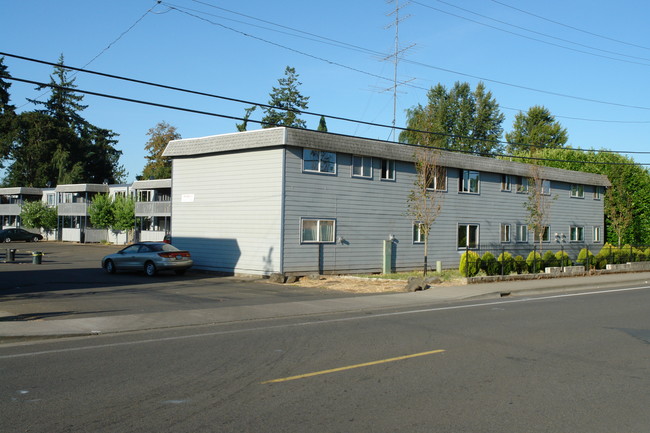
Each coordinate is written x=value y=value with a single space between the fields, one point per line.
x=286 y=101
x=458 y=119
x=322 y=126
x=159 y=167
x=7 y=113
x=538 y=128
x=241 y=127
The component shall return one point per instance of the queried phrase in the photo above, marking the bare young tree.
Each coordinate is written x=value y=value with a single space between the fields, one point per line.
x=425 y=199
x=619 y=208
x=538 y=204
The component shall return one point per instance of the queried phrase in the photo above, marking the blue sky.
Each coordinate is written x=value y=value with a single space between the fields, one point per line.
x=585 y=60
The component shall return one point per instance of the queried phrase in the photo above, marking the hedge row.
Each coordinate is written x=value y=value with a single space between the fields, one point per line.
x=505 y=264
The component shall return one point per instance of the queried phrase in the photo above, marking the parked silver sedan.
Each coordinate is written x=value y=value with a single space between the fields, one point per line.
x=149 y=257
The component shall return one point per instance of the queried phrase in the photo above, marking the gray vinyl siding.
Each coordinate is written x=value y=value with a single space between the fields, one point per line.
x=367 y=211
x=233 y=224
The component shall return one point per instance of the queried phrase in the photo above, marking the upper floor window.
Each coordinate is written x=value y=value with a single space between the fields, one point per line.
x=51 y=199
x=469 y=181
x=319 y=161
x=317 y=230
x=361 y=166
x=438 y=179
x=577 y=190
x=506 y=182
x=145 y=195
x=388 y=169
x=546 y=187
x=522 y=184
x=597 y=192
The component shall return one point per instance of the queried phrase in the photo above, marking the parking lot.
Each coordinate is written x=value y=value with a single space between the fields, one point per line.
x=70 y=282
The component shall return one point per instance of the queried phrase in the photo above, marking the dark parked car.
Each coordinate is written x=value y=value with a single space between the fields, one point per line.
x=149 y=257
x=11 y=235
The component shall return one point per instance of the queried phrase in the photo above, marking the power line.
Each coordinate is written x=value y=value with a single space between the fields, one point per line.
x=535 y=32
x=451 y=71
x=194 y=111
x=571 y=27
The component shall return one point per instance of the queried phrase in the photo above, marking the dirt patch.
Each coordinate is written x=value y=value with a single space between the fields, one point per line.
x=354 y=284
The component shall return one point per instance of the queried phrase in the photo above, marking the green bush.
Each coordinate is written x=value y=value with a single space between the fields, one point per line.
x=586 y=258
x=639 y=255
x=600 y=260
x=563 y=259
x=549 y=260
x=470 y=264
x=534 y=262
x=506 y=261
x=520 y=265
x=489 y=264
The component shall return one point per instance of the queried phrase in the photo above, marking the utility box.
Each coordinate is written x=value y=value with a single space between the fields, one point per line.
x=387 y=262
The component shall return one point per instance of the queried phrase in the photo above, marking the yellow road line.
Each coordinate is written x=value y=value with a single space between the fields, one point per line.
x=350 y=367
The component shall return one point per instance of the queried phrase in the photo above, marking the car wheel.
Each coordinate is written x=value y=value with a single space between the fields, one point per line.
x=35 y=239
x=180 y=271
x=7 y=240
x=150 y=269
x=109 y=266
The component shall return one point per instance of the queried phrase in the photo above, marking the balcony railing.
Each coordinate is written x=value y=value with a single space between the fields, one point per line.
x=153 y=208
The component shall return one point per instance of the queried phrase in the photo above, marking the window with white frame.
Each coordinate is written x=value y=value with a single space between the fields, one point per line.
x=387 y=169
x=145 y=195
x=438 y=179
x=468 y=236
x=505 y=232
x=522 y=184
x=506 y=182
x=577 y=234
x=51 y=199
x=546 y=187
x=522 y=233
x=597 y=235
x=577 y=190
x=418 y=233
x=597 y=192
x=318 y=161
x=317 y=230
x=469 y=182
x=546 y=234
x=361 y=166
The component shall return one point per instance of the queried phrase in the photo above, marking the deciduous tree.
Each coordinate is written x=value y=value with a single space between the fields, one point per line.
x=534 y=130
x=158 y=166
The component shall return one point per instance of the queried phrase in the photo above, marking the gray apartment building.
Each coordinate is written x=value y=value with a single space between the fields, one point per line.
x=297 y=201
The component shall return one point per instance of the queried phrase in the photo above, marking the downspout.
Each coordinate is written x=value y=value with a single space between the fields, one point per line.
x=283 y=198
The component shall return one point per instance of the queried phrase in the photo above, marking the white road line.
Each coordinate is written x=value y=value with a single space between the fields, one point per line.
x=319 y=322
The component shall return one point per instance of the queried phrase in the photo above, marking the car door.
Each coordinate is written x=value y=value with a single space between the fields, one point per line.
x=127 y=258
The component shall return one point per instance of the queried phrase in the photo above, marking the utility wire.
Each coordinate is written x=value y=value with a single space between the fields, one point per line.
x=190 y=110
x=572 y=27
x=405 y=83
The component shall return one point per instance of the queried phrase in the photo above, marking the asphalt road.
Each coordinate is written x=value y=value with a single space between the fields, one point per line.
x=561 y=363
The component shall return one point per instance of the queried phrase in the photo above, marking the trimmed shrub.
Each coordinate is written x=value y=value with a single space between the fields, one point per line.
x=563 y=259
x=470 y=264
x=586 y=258
x=506 y=260
x=520 y=265
x=534 y=262
x=549 y=260
x=640 y=255
x=489 y=264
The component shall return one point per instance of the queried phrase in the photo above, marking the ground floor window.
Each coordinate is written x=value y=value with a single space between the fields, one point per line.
x=505 y=232
x=418 y=233
x=522 y=233
x=468 y=236
x=546 y=234
x=597 y=236
x=317 y=230
x=577 y=234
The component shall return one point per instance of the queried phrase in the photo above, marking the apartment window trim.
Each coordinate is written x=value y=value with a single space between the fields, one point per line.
x=469 y=229
x=321 y=163
x=465 y=182
x=505 y=233
x=506 y=183
x=522 y=185
x=598 y=235
x=546 y=237
x=546 y=187
x=418 y=234
x=522 y=234
x=319 y=230
x=598 y=193
x=365 y=167
x=577 y=190
x=576 y=234
x=388 y=170
x=439 y=177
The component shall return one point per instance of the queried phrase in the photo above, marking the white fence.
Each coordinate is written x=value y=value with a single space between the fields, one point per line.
x=152 y=235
